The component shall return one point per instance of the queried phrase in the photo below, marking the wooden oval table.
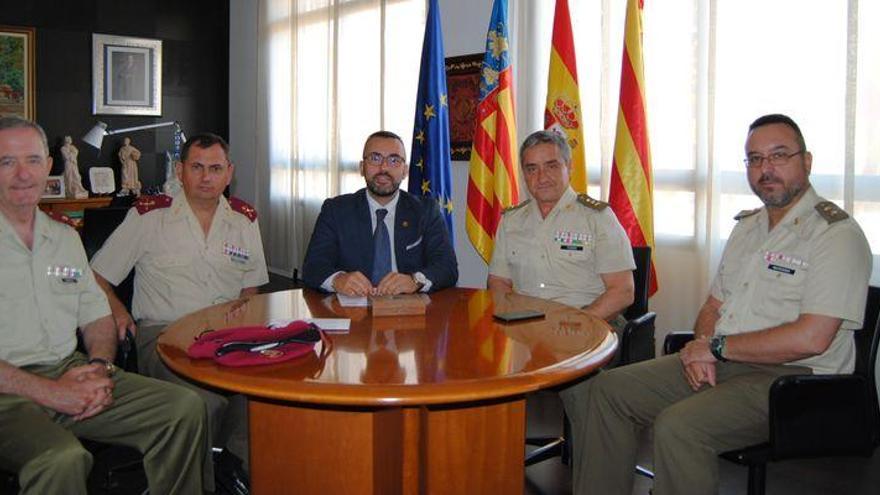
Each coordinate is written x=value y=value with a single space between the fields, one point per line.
x=430 y=404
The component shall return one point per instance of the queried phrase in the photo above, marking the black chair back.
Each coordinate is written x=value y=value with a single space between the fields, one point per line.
x=867 y=343
x=98 y=224
x=866 y=347
x=641 y=281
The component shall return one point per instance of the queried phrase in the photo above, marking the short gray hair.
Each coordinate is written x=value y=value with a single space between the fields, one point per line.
x=544 y=137
x=20 y=123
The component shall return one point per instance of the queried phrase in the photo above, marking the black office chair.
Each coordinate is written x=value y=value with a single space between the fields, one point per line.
x=636 y=344
x=816 y=415
x=98 y=224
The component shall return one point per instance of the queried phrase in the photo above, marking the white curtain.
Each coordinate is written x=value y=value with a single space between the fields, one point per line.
x=330 y=73
x=711 y=67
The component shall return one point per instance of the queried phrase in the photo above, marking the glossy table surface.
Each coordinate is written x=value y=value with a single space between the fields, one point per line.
x=456 y=352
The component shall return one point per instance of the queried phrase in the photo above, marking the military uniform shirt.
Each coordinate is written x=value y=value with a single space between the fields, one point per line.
x=560 y=257
x=804 y=265
x=178 y=270
x=45 y=293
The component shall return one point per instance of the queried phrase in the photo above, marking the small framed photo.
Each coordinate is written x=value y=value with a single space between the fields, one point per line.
x=54 y=187
x=102 y=180
x=126 y=75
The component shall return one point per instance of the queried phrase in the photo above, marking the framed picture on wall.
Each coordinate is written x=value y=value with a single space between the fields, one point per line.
x=126 y=75
x=463 y=86
x=54 y=187
x=17 y=72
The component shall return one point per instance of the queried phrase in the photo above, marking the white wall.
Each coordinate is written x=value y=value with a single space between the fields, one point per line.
x=243 y=97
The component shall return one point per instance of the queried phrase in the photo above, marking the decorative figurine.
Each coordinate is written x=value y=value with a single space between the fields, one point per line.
x=128 y=156
x=72 y=178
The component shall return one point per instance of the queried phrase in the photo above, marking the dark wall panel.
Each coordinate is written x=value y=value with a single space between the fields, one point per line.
x=195 y=71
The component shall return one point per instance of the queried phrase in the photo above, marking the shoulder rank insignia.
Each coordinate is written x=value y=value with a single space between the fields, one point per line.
x=61 y=218
x=515 y=207
x=145 y=204
x=746 y=213
x=830 y=212
x=591 y=203
x=243 y=207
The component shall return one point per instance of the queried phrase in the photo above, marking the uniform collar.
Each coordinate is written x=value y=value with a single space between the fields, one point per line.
x=567 y=198
x=180 y=208
x=42 y=228
x=794 y=218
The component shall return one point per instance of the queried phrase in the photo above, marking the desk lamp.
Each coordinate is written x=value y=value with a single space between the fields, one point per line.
x=95 y=137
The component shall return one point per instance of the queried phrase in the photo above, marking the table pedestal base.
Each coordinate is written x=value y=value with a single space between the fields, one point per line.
x=451 y=449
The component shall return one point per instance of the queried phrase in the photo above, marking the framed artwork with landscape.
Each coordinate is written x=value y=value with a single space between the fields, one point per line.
x=126 y=75
x=17 y=72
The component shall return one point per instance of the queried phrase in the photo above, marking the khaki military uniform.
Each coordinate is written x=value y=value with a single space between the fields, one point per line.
x=815 y=260
x=45 y=293
x=178 y=271
x=561 y=257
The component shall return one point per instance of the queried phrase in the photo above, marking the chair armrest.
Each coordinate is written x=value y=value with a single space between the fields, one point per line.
x=820 y=415
x=637 y=339
x=675 y=341
x=126 y=353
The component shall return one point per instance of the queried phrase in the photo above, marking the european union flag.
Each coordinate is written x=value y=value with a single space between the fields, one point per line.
x=429 y=171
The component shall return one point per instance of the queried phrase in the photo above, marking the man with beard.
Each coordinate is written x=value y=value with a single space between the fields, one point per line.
x=789 y=292
x=380 y=240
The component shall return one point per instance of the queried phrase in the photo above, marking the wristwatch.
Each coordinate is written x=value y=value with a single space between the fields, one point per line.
x=109 y=367
x=420 y=280
x=716 y=347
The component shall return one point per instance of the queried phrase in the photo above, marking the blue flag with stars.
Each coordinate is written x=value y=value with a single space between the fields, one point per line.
x=429 y=171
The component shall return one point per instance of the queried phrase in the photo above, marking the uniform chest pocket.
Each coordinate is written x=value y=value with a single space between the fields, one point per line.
x=171 y=263
x=571 y=254
x=779 y=292
x=66 y=286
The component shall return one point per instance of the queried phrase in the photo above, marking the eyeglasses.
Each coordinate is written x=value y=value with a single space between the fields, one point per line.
x=376 y=159
x=777 y=158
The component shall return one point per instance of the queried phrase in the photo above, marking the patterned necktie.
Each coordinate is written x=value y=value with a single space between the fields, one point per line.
x=381 y=248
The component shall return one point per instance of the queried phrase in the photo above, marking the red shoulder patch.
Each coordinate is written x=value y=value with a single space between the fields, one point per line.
x=61 y=218
x=243 y=207
x=146 y=204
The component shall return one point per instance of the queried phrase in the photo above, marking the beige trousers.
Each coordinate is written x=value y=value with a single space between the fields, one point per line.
x=608 y=412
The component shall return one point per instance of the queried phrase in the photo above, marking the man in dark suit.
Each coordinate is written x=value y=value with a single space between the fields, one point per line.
x=351 y=251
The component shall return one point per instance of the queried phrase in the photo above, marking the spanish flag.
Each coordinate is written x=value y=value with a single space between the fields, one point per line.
x=632 y=187
x=563 y=111
x=493 y=178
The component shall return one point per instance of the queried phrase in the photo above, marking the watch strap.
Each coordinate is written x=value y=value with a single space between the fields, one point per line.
x=716 y=347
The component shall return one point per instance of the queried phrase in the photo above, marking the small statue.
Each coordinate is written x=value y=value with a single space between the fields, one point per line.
x=128 y=156
x=72 y=179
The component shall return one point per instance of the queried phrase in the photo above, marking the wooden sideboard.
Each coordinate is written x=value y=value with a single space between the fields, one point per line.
x=74 y=207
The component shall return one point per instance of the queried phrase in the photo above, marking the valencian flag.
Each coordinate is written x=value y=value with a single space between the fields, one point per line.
x=563 y=111
x=493 y=178
x=429 y=173
x=632 y=187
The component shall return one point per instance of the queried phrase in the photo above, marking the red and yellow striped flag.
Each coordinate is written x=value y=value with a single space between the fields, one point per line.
x=493 y=179
x=563 y=111
x=632 y=186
